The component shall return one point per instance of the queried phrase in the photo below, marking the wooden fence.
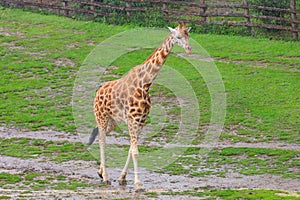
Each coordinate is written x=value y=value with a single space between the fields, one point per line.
x=198 y=12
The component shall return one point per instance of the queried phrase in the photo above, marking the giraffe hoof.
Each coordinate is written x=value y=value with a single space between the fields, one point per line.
x=139 y=190
x=122 y=182
x=107 y=182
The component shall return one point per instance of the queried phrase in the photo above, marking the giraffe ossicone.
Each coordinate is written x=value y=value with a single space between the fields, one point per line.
x=127 y=100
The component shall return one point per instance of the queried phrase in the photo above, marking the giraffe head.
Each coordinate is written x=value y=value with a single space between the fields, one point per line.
x=181 y=36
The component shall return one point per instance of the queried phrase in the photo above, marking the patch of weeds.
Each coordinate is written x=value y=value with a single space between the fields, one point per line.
x=121 y=199
x=206 y=173
x=37 y=187
x=246 y=161
x=40 y=181
x=26 y=192
x=7 y=178
x=31 y=176
x=251 y=194
x=151 y=194
x=187 y=192
x=70 y=185
x=60 y=177
x=175 y=169
x=147 y=149
x=5 y=197
x=58 y=151
x=19 y=148
x=233 y=138
x=235 y=194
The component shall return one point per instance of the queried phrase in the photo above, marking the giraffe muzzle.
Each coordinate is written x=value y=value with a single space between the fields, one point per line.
x=188 y=50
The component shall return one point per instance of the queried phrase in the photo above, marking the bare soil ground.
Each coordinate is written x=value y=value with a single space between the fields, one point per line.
x=153 y=182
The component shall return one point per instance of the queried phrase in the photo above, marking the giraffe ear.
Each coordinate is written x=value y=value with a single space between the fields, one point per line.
x=188 y=29
x=173 y=30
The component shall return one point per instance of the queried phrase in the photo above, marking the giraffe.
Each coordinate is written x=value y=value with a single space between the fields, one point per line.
x=127 y=100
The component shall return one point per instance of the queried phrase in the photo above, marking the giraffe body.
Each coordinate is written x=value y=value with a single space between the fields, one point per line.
x=127 y=100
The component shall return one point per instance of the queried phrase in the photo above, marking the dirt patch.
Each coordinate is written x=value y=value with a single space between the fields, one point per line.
x=12 y=45
x=288 y=194
x=153 y=182
x=74 y=45
x=40 y=54
x=44 y=135
x=262 y=64
x=113 y=138
x=85 y=194
x=7 y=32
x=64 y=62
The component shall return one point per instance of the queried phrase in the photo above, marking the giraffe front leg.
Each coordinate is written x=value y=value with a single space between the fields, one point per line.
x=122 y=179
x=135 y=154
x=135 y=126
x=102 y=170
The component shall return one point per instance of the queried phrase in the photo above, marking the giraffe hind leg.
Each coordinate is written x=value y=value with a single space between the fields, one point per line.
x=102 y=169
x=111 y=124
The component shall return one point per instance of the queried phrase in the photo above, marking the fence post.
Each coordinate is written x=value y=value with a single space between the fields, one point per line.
x=92 y=9
x=164 y=6
x=22 y=4
x=65 y=5
x=294 y=18
x=164 y=9
x=203 y=12
x=92 y=6
x=246 y=14
x=127 y=5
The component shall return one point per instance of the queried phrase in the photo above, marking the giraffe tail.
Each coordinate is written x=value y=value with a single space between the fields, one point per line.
x=93 y=136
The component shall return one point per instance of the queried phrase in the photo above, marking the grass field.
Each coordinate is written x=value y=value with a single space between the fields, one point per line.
x=41 y=56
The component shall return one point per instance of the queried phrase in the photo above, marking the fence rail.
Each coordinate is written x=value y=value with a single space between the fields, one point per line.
x=199 y=12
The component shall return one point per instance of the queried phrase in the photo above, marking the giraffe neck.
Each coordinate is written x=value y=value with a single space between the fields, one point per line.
x=149 y=69
x=159 y=56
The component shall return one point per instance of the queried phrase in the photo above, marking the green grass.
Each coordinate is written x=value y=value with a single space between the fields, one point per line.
x=41 y=54
x=205 y=193
x=273 y=54
x=4 y=197
x=245 y=161
x=253 y=194
x=262 y=104
x=39 y=181
x=9 y=178
x=56 y=151
x=40 y=57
